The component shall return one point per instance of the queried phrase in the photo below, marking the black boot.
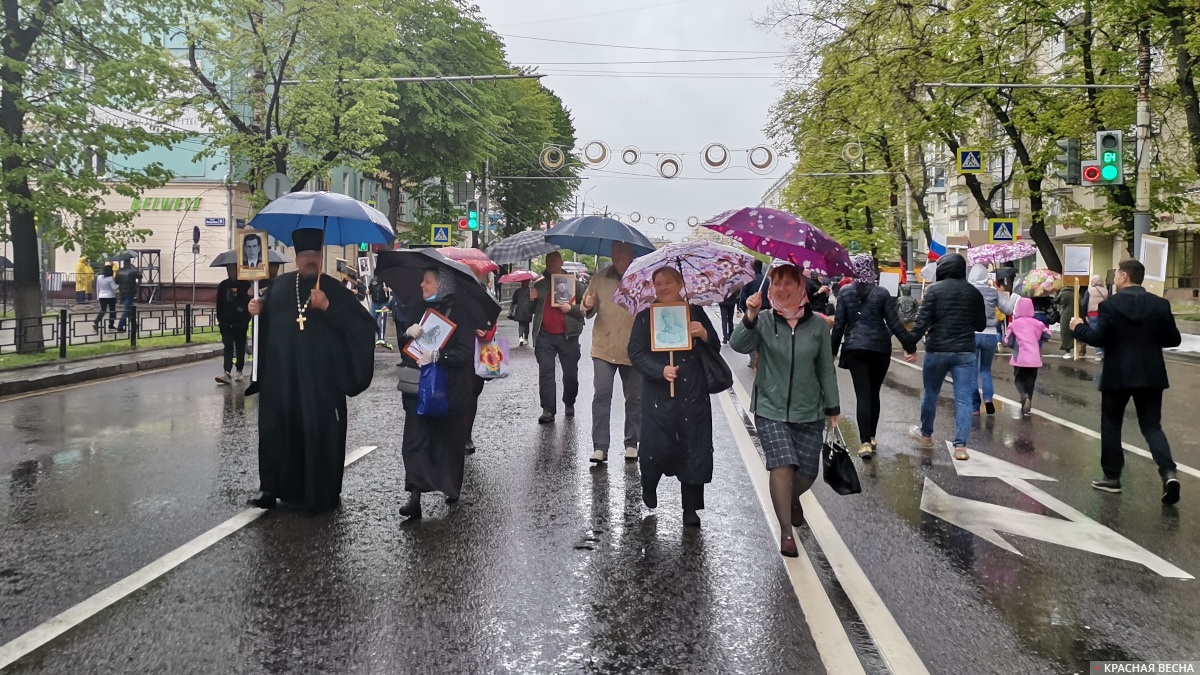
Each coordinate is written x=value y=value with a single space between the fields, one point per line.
x=265 y=500
x=413 y=508
x=691 y=518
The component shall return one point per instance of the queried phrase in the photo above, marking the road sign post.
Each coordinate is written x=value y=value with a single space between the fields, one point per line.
x=1002 y=230
x=439 y=235
x=970 y=160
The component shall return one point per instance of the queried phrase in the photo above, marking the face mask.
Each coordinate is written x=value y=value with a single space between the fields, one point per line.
x=431 y=298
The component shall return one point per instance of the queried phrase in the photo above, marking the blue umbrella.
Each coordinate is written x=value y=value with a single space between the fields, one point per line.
x=594 y=235
x=345 y=220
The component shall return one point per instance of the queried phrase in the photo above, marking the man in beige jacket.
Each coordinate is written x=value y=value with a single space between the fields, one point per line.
x=610 y=342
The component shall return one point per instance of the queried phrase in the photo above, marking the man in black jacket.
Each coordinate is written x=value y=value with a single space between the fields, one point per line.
x=129 y=278
x=952 y=311
x=233 y=318
x=1133 y=329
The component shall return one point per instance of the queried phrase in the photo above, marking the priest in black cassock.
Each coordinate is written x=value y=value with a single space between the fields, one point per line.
x=317 y=346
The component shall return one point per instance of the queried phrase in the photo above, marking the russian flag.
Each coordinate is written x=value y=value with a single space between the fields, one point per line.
x=937 y=249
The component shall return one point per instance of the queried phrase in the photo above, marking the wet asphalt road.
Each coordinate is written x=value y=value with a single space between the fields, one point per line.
x=549 y=565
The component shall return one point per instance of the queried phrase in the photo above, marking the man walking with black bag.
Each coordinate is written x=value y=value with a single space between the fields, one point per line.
x=1133 y=328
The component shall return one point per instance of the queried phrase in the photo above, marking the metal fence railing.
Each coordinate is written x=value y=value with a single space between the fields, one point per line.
x=65 y=329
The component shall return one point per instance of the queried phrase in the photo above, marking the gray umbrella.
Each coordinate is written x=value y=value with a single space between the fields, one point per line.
x=5 y=263
x=230 y=258
x=520 y=247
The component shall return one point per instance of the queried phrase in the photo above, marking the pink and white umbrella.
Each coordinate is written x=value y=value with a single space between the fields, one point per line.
x=477 y=260
x=518 y=277
x=710 y=273
x=994 y=254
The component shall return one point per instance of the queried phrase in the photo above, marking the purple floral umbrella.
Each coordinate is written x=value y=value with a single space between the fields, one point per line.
x=783 y=236
x=710 y=273
x=994 y=254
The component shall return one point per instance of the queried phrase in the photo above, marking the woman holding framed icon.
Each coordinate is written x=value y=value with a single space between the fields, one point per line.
x=676 y=438
x=435 y=448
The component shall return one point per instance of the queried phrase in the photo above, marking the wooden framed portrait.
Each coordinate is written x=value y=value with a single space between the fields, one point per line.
x=562 y=287
x=436 y=332
x=252 y=256
x=669 y=327
x=343 y=268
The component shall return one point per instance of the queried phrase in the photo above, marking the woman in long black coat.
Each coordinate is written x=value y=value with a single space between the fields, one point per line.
x=435 y=448
x=676 y=437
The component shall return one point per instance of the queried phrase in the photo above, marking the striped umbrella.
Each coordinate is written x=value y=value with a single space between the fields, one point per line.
x=520 y=247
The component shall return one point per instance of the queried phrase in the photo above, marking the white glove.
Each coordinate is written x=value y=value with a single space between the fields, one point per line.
x=414 y=331
x=427 y=357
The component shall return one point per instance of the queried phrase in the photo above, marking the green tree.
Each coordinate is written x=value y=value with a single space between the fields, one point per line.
x=79 y=81
x=537 y=117
x=328 y=115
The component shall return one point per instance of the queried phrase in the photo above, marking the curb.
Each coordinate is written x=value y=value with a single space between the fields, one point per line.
x=151 y=360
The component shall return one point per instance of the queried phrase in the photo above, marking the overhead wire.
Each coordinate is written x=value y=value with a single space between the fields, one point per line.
x=641 y=48
x=622 y=10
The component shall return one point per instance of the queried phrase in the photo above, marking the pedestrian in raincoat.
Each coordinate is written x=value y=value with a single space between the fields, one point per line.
x=522 y=312
x=1025 y=336
x=795 y=391
x=676 y=438
x=987 y=341
x=85 y=276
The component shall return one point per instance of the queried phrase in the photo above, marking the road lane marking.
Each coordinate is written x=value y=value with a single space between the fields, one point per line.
x=894 y=646
x=56 y=626
x=1181 y=468
x=988 y=520
x=833 y=644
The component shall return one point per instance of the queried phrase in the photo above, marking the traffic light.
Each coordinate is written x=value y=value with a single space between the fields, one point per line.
x=362 y=246
x=472 y=216
x=1070 y=173
x=462 y=223
x=1109 y=166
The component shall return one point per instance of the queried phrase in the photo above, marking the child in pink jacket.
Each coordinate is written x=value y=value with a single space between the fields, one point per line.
x=1025 y=336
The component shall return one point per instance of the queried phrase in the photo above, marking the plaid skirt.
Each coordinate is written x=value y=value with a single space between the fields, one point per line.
x=792 y=443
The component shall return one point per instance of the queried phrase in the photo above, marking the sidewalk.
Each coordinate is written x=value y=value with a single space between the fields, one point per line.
x=58 y=374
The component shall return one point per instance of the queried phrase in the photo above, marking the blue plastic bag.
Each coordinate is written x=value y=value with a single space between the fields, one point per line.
x=432 y=400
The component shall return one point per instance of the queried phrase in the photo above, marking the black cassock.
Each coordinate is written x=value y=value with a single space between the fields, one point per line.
x=304 y=377
x=676 y=438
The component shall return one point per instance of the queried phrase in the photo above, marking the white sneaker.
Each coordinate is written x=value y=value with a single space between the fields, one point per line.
x=630 y=453
x=1067 y=355
x=224 y=379
x=238 y=377
x=521 y=342
x=599 y=456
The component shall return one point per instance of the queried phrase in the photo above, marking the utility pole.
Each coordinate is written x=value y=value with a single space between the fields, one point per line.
x=484 y=207
x=1142 y=216
x=908 y=213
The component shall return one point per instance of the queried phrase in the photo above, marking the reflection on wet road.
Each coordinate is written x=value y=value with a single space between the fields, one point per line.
x=550 y=565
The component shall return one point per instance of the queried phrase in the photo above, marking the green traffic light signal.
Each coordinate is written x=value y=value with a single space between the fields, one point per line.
x=362 y=246
x=1109 y=153
x=472 y=216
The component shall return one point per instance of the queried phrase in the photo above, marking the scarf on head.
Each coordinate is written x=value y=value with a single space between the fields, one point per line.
x=864 y=268
x=790 y=306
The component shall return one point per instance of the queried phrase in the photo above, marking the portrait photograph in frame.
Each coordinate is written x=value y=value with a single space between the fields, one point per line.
x=252 y=256
x=436 y=332
x=343 y=268
x=669 y=327
x=562 y=287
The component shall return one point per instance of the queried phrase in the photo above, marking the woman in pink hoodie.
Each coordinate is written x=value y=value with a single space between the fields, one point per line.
x=1025 y=336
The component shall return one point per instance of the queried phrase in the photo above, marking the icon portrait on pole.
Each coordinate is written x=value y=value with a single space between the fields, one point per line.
x=668 y=327
x=252 y=261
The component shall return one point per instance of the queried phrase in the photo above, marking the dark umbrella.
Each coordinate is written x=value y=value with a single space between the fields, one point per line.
x=520 y=247
x=594 y=235
x=783 y=236
x=123 y=256
x=403 y=270
x=230 y=258
x=5 y=263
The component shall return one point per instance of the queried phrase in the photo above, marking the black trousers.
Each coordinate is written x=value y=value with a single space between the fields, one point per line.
x=107 y=305
x=234 y=339
x=1025 y=379
x=477 y=383
x=551 y=346
x=1148 y=403
x=867 y=370
x=727 y=321
x=523 y=330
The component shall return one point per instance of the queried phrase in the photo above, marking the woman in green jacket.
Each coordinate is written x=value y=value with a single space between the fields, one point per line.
x=795 y=391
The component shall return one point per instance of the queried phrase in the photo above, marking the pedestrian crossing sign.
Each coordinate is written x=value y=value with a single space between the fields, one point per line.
x=439 y=235
x=970 y=160
x=1002 y=230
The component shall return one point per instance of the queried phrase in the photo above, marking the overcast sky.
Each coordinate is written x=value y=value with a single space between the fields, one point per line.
x=656 y=114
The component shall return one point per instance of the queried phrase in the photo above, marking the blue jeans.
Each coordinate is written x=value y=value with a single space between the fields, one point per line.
x=1094 y=321
x=961 y=368
x=127 y=303
x=985 y=354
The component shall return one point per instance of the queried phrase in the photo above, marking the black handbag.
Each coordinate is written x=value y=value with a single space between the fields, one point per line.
x=716 y=372
x=410 y=381
x=837 y=466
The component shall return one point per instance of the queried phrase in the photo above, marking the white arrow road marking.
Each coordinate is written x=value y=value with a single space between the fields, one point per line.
x=988 y=520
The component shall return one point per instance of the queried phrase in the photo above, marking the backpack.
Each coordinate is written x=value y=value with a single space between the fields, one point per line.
x=378 y=294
